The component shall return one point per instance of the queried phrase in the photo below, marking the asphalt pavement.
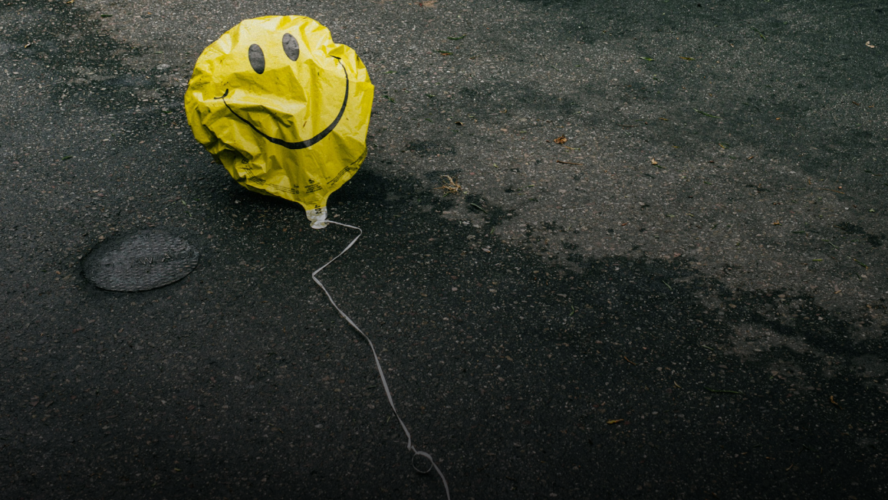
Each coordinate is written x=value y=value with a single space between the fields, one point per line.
x=662 y=275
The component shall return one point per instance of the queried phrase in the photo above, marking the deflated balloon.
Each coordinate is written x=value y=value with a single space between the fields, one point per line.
x=283 y=108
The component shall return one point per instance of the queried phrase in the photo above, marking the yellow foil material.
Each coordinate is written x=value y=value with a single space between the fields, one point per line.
x=283 y=108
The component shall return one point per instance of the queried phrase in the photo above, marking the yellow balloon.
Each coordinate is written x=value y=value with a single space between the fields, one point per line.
x=283 y=108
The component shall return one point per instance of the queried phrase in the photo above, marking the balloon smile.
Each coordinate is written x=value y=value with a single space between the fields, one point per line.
x=298 y=144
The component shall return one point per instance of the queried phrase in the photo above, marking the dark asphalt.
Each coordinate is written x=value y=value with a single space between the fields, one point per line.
x=709 y=326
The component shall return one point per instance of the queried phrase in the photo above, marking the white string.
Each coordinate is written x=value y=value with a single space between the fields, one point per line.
x=385 y=386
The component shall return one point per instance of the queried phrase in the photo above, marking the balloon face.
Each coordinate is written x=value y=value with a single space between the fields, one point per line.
x=282 y=107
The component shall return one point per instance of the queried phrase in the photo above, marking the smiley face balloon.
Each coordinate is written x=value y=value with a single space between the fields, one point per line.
x=283 y=108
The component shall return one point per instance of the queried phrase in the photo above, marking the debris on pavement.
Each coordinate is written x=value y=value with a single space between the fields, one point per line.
x=451 y=187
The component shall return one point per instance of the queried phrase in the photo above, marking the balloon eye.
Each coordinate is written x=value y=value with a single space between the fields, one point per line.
x=291 y=46
x=257 y=58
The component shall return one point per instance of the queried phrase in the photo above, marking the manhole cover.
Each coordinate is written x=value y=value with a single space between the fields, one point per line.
x=139 y=261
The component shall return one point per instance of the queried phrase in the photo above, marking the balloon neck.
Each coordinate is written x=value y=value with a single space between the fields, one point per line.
x=318 y=217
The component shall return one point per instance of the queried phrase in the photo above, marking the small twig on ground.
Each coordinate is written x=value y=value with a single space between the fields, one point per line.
x=720 y=391
x=452 y=187
x=27 y=325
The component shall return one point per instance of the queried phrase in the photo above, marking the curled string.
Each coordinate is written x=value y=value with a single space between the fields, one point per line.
x=388 y=393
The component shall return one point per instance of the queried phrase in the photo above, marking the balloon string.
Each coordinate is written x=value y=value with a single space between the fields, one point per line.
x=388 y=393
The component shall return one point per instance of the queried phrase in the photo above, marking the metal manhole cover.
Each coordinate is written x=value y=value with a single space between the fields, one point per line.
x=143 y=260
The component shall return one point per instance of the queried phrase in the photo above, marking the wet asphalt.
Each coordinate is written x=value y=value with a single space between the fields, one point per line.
x=685 y=298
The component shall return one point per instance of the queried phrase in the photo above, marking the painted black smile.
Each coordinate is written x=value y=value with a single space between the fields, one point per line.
x=300 y=144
